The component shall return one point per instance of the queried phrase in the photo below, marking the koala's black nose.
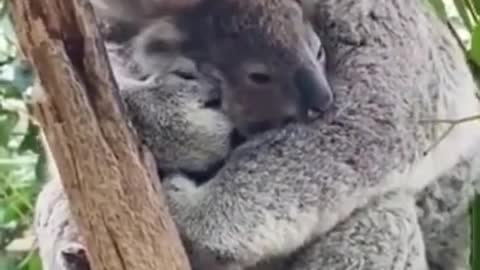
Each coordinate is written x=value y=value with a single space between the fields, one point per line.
x=314 y=89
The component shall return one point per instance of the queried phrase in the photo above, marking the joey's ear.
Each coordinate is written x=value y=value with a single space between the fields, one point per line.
x=136 y=11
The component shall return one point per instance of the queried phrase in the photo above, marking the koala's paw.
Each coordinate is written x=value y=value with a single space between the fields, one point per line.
x=179 y=183
x=181 y=194
x=73 y=256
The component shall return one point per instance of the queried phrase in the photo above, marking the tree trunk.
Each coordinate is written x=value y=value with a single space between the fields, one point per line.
x=109 y=178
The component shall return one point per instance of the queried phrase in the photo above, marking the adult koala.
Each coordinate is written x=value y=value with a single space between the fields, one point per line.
x=392 y=64
x=185 y=141
x=338 y=192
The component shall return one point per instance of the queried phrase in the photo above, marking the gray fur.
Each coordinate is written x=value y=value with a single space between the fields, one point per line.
x=443 y=215
x=258 y=51
x=337 y=193
x=392 y=65
x=170 y=111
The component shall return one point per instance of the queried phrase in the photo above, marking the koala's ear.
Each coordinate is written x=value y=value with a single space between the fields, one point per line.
x=136 y=11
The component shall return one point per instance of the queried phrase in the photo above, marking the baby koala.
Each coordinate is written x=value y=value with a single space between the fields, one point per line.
x=259 y=51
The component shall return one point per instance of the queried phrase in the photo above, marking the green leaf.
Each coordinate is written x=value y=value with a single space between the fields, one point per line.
x=439 y=8
x=463 y=12
x=34 y=263
x=41 y=169
x=7 y=263
x=12 y=214
x=8 y=90
x=474 y=52
x=31 y=141
x=476 y=5
x=475 y=241
x=8 y=120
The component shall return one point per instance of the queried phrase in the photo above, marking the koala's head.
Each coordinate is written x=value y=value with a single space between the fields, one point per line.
x=264 y=53
x=174 y=114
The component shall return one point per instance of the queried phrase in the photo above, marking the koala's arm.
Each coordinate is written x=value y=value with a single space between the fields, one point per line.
x=383 y=235
x=280 y=190
x=287 y=186
x=443 y=214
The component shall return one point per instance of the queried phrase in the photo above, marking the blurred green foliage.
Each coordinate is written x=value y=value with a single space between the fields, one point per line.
x=20 y=156
x=22 y=159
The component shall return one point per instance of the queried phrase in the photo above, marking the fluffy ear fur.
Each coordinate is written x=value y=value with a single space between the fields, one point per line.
x=137 y=11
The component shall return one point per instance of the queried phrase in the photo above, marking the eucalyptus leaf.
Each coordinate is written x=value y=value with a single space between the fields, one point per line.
x=474 y=52
x=31 y=141
x=476 y=5
x=439 y=8
x=464 y=13
x=8 y=121
x=34 y=263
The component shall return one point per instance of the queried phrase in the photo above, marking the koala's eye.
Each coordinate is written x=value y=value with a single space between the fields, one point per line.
x=185 y=75
x=258 y=74
x=260 y=78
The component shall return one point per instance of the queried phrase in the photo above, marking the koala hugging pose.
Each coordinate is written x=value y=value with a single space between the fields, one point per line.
x=293 y=135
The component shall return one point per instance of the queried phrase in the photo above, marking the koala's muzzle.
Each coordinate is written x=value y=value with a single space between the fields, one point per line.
x=261 y=107
x=313 y=88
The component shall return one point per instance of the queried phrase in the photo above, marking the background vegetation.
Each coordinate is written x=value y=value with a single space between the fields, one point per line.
x=22 y=159
x=20 y=156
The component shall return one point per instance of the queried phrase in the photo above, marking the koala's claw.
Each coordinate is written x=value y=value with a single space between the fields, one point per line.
x=74 y=257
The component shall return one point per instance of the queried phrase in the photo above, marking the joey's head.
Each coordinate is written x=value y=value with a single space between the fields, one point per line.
x=264 y=53
x=173 y=113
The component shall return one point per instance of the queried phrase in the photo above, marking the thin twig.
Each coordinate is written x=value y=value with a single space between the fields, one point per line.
x=457 y=37
x=451 y=121
x=452 y=124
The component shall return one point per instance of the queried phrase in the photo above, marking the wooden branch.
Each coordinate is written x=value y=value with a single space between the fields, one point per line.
x=107 y=175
